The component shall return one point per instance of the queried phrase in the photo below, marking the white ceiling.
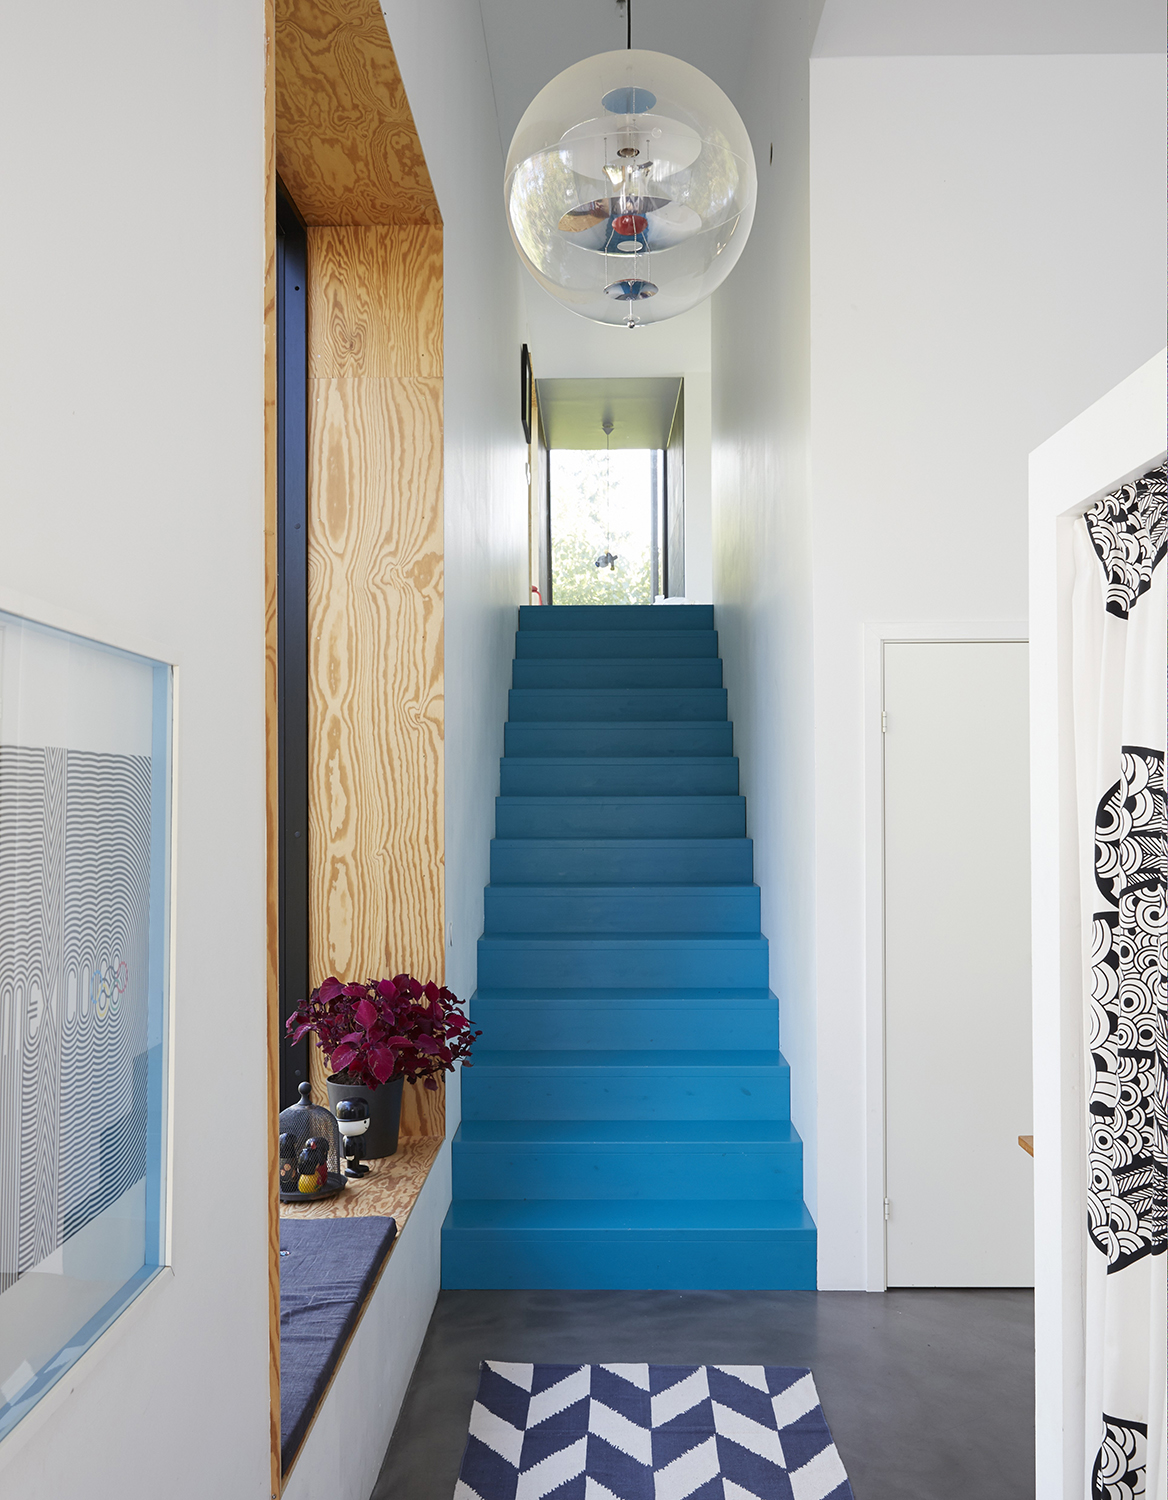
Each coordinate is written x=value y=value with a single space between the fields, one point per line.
x=641 y=411
x=530 y=41
x=904 y=28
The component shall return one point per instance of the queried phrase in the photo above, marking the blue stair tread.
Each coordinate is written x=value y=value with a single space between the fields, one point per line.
x=669 y=1061
x=699 y=1219
x=569 y=995
x=619 y=888
x=615 y=706
x=585 y=1134
x=608 y=909
x=602 y=762
x=618 y=775
x=664 y=845
x=651 y=845
x=615 y=645
x=654 y=725
x=603 y=617
x=649 y=737
x=617 y=672
x=621 y=939
x=634 y=799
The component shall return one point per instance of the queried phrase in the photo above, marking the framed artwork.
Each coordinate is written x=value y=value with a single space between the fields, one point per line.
x=525 y=391
x=84 y=939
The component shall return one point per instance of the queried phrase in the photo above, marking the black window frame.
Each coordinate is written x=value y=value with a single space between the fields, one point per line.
x=292 y=626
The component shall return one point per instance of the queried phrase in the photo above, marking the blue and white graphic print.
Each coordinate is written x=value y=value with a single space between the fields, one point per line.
x=649 y=1432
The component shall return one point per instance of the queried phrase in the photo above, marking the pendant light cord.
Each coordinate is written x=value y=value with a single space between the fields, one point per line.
x=608 y=489
x=629 y=24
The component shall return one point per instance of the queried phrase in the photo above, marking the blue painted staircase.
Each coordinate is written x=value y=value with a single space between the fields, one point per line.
x=627 y=1120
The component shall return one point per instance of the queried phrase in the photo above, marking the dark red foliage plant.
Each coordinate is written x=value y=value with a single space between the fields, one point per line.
x=385 y=1028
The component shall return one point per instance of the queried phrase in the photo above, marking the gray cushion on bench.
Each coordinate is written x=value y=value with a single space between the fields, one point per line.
x=327 y=1269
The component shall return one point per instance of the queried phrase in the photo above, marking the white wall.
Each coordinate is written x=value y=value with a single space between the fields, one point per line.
x=485 y=486
x=938 y=28
x=761 y=531
x=565 y=345
x=131 y=507
x=131 y=447
x=987 y=259
x=485 y=531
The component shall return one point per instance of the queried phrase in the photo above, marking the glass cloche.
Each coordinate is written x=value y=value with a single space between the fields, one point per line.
x=630 y=187
x=310 y=1152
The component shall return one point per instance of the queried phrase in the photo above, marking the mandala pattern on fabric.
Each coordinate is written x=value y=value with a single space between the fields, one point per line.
x=1121 y=1462
x=1129 y=531
x=1127 y=1203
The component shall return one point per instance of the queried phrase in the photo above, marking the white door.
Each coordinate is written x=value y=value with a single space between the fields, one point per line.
x=957 y=964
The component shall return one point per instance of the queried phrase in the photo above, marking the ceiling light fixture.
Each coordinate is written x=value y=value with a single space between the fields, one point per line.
x=630 y=187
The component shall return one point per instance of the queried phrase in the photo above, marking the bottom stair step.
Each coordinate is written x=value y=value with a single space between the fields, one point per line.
x=604 y=1244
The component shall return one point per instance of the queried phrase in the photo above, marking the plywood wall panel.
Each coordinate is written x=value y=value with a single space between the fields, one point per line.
x=376 y=306
x=346 y=145
x=375 y=677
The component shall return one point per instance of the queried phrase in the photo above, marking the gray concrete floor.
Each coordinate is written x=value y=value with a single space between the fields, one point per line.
x=929 y=1394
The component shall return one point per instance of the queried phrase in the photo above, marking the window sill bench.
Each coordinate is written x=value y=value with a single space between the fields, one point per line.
x=318 y=1343
x=391 y=1188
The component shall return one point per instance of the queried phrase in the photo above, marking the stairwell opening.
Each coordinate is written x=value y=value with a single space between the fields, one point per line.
x=608 y=461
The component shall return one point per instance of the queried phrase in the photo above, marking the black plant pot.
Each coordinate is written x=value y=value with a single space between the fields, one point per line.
x=384 y=1112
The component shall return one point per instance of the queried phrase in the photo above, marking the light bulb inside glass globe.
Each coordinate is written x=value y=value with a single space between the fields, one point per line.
x=630 y=187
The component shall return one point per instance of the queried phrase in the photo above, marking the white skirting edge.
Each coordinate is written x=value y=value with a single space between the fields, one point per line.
x=342 y=1454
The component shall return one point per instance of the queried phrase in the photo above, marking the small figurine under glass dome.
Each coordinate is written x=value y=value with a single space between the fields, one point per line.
x=310 y=1152
x=353 y=1118
x=289 y=1171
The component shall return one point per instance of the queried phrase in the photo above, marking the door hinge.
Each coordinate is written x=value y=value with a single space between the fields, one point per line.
x=887 y=1206
x=883 y=721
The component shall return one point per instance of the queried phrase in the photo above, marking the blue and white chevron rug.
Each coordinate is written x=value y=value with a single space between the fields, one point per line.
x=649 y=1432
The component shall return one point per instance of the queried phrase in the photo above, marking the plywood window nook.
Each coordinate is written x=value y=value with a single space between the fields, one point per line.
x=347 y=151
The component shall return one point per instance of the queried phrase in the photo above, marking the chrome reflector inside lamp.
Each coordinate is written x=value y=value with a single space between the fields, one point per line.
x=630 y=187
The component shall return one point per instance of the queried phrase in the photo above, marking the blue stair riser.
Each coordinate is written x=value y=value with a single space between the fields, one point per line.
x=628 y=1261
x=526 y=961
x=604 y=617
x=616 y=705
x=621 y=908
x=697 y=1091
x=679 y=672
x=628 y=776
x=611 y=645
x=548 y=1022
x=634 y=1171
x=699 y=739
x=620 y=817
x=616 y=861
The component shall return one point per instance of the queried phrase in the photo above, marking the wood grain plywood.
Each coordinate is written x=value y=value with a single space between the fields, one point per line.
x=346 y=144
x=376 y=305
x=375 y=678
x=391 y=1188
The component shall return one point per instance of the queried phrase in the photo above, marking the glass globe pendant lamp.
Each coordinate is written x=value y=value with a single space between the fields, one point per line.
x=630 y=187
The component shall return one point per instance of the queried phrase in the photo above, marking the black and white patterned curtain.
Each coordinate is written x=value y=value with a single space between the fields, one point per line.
x=1120 y=666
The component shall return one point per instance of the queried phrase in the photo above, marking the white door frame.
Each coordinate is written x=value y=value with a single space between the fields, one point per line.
x=876 y=637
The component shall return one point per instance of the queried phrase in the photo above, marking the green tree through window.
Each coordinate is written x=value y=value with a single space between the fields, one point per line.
x=601 y=503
